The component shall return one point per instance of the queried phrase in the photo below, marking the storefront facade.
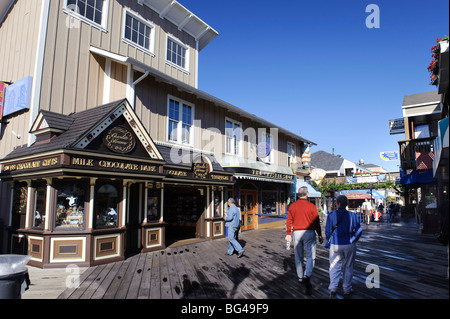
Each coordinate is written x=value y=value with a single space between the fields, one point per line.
x=96 y=193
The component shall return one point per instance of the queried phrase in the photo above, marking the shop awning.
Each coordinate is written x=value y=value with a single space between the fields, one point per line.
x=312 y=191
x=243 y=168
x=416 y=178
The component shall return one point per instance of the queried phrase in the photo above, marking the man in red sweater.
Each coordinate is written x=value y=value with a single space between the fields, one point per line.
x=302 y=225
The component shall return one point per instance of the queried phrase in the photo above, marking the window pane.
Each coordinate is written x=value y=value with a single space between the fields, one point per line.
x=173 y=131
x=41 y=198
x=186 y=133
x=90 y=13
x=187 y=114
x=99 y=5
x=71 y=198
x=106 y=210
x=153 y=212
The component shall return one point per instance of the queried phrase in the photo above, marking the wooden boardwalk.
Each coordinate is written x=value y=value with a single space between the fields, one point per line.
x=411 y=266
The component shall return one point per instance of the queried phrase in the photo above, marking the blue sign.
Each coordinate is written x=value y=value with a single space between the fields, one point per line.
x=389 y=156
x=17 y=96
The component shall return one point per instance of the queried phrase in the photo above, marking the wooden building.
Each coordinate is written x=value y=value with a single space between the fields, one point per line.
x=114 y=150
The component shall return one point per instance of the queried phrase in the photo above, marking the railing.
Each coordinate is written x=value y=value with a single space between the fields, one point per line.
x=417 y=154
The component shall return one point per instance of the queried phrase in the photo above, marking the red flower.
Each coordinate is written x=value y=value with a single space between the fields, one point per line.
x=438 y=40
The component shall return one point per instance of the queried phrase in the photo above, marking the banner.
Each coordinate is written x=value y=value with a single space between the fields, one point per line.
x=389 y=156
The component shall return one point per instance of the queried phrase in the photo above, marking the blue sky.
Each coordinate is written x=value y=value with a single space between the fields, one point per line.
x=314 y=68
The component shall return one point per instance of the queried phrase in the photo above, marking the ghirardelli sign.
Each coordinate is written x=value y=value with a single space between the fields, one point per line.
x=201 y=170
x=119 y=140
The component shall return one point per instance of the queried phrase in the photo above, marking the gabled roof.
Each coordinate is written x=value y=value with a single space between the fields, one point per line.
x=51 y=121
x=326 y=161
x=84 y=127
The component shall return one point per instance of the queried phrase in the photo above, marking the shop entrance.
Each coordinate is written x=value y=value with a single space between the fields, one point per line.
x=183 y=208
x=134 y=220
x=248 y=201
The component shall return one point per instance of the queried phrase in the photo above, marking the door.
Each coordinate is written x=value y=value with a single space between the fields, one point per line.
x=249 y=208
x=133 y=245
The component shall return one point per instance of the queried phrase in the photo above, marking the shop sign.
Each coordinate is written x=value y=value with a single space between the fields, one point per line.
x=119 y=140
x=27 y=165
x=17 y=96
x=265 y=174
x=201 y=170
x=115 y=165
x=397 y=126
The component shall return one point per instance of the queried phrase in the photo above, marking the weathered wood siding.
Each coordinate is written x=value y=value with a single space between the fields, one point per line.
x=74 y=77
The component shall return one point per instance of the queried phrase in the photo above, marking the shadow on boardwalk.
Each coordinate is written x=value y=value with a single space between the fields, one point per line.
x=411 y=265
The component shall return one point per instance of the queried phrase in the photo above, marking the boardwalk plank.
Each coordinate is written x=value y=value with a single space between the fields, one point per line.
x=144 y=289
x=166 y=289
x=115 y=283
x=86 y=283
x=101 y=290
x=97 y=282
x=136 y=280
x=155 y=281
x=68 y=292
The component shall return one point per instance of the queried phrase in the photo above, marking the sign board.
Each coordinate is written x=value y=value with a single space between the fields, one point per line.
x=17 y=96
x=389 y=156
x=396 y=126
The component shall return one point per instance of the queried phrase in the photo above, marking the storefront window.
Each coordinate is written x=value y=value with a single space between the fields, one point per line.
x=39 y=208
x=106 y=206
x=269 y=202
x=153 y=205
x=19 y=205
x=430 y=196
x=217 y=203
x=71 y=198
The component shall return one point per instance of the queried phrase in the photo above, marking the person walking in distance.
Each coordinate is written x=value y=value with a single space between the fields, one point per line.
x=367 y=209
x=232 y=221
x=302 y=224
x=342 y=230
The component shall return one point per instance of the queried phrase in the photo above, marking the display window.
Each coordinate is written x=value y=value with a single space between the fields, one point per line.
x=19 y=205
x=106 y=205
x=40 y=205
x=269 y=202
x=70 y=204
x=217 y=203
x=153 y=205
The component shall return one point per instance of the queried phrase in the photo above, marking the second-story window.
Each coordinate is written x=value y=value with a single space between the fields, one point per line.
x=138 y=33
x=180 y=124
x=233 y=137
x=291 y=152
x=177 y=54
x=89 y=10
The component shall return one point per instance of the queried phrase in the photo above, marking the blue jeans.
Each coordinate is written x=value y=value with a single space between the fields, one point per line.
x=234 y=244
x=304 y=240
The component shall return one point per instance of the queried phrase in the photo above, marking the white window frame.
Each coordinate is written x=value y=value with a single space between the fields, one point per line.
x=186 y=58
x=180 y=121
x=291 y=147
x=151 y=49
x=105 y=13
x=237 y=151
